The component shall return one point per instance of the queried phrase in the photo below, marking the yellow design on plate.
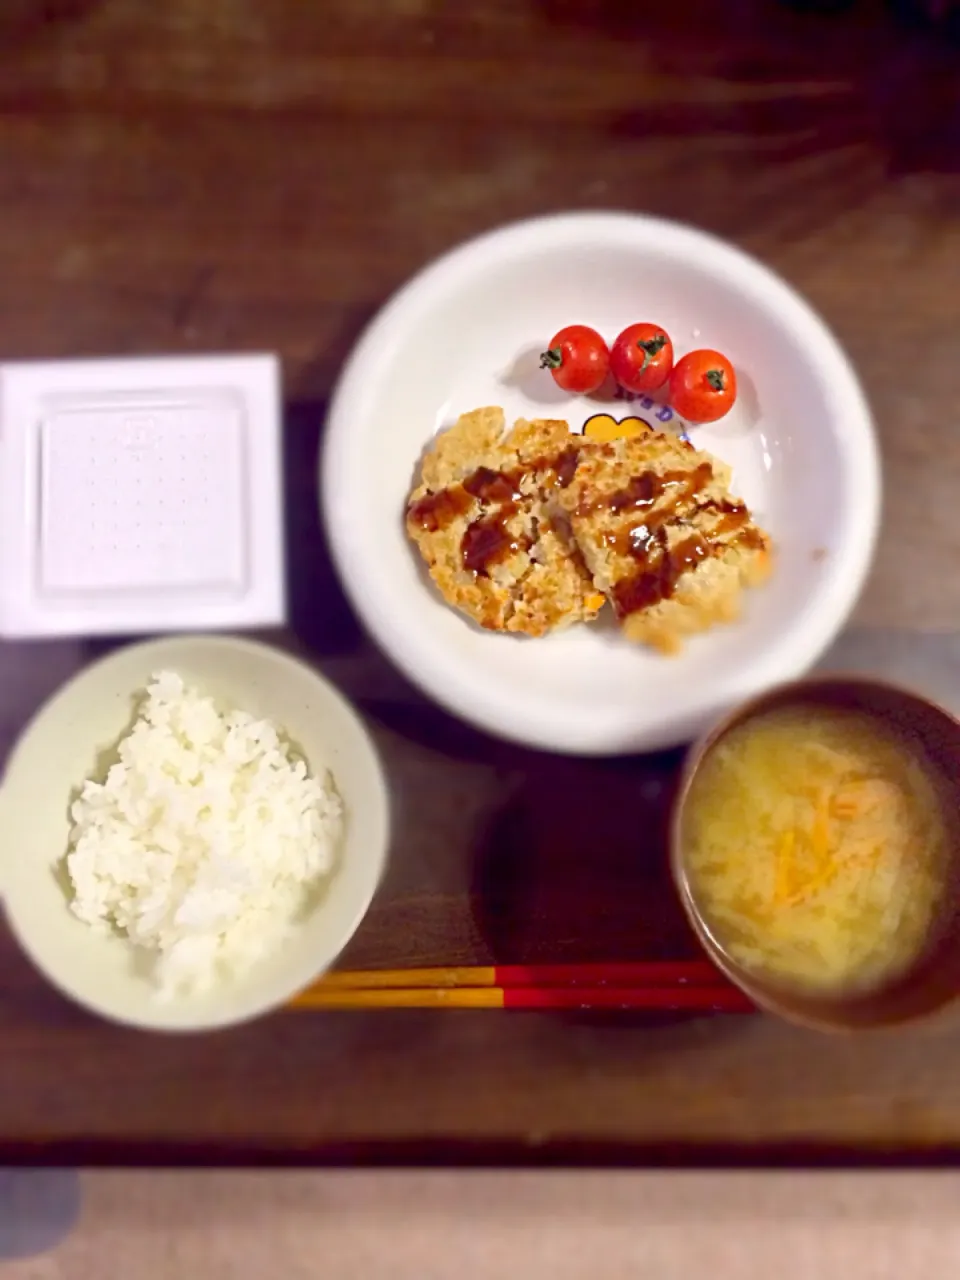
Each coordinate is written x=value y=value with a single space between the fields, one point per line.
x=604 y=426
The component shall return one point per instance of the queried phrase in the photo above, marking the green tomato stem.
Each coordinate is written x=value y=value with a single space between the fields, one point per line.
x=650 y=347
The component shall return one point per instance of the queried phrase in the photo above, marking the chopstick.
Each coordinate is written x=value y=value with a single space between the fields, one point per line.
x=645 y=986
x=637 y=999
x=641 y=973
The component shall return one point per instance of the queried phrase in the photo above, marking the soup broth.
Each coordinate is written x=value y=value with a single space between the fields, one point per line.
x=816 y=846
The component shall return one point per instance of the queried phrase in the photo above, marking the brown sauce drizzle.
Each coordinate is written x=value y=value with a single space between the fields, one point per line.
x=487 y=541
x=658 y=579
x=493 y=486
x=565 y=466
x=752 y=539
x=646 y=490
x=434 y=511
x=732 y=515
x=661 y=566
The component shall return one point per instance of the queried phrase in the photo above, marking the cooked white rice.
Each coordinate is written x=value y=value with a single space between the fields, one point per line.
x=204 y=843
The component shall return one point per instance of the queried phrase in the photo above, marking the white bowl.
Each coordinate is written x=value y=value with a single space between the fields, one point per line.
x=60 y=748
x=465 y=333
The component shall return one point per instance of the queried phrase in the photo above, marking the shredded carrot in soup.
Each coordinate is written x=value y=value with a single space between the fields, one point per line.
x=815 y=845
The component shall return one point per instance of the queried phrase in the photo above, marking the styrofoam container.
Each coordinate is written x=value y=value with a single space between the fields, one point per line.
x=467 y=332
x=140 y=495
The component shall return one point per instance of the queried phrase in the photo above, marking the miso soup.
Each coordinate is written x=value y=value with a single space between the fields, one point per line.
x=816 y=845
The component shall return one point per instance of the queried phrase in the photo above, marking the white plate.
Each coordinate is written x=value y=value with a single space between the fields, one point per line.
x=467 y=332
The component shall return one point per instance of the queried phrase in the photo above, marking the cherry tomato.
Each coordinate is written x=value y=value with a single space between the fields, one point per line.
x=703 y=386
x=578 y=358
x=642 y=357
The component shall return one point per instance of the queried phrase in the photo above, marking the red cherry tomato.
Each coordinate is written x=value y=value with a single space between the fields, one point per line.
x=703 y=386
x=578 y=358
x=642 y=357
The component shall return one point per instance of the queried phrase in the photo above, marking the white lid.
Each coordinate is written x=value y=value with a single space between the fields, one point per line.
x=140 y=495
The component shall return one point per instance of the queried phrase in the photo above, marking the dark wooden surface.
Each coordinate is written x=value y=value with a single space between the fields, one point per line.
x=200 y=175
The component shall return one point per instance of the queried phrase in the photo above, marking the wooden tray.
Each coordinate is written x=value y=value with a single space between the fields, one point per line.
x=170 y=184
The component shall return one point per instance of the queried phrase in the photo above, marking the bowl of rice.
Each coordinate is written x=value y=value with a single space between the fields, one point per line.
x=195 y=827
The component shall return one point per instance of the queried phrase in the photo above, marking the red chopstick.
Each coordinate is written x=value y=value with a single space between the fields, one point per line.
x=637 y=974
x=715 y=999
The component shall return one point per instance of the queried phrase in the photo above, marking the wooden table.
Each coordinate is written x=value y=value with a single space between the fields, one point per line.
x=203 y=175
